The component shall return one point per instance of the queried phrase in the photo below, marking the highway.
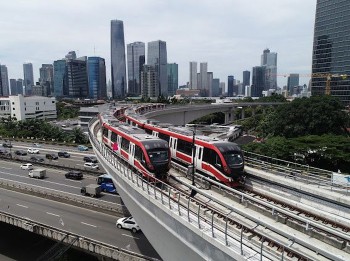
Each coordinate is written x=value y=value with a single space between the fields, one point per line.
x=91 y=224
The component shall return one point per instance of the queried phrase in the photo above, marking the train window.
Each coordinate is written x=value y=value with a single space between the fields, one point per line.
x=105 y=132
x=114 y=137
x=184 y=147
x=125 y=144
x=163 y=136
x=211 y=157
x=138 y=153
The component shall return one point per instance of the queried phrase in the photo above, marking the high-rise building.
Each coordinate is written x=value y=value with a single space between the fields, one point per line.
x=269 y=60
x=246 y=80
x=215 y=87
x=157 y=57
x=173 y=78
x=13 y=86
x=97 y=78
x=193 y=75
x=1 y=91
x=71 y=55
x=4 y=80
x=118 y=65
x=258 y=81
x=136 y=60
x=230 y=83
x=209 y=91
x=19 y=86
x=203 y=76
x=28 y=77
x=293 y=80
x=149 y=81
x=46 y=78
x=331 y=49
x=222 y=88
x=60 y=78
x=77 y=80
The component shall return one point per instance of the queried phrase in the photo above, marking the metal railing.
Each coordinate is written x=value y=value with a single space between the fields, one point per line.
x=193 y=211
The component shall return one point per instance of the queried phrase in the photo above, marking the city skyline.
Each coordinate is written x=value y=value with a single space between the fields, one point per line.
x=229 y=42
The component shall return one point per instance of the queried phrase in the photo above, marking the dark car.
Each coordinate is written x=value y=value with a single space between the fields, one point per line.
x=36 y=159
x=74 y=175
x=90 y=159
x=51 y=156
x=20 y=152
x=7 y=145
x=63 y=154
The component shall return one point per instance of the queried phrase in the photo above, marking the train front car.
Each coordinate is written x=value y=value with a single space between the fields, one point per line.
x=159 y=157
x=233 y=162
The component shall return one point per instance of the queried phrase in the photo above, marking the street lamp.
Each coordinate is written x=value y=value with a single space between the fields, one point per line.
x=193 y=191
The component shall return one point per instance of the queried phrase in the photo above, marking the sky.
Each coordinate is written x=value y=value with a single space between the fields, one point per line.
x=230 y=35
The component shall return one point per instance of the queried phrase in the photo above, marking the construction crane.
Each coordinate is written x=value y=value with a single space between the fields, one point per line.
x=328 y=77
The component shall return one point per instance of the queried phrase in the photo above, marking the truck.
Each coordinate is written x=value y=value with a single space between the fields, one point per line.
x=37 y=173
x=92 y=190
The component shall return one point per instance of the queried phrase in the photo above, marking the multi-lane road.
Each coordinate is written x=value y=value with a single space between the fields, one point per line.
x=88 y=223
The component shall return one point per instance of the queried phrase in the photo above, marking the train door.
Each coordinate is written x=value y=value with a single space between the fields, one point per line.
x=173 y=145
x=131 y=153
x=198 y=157
x=119 y=142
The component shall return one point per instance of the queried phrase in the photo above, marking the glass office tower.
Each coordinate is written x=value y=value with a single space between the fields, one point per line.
x=60 y=78
x=97 y=78
x=118 y=69
x=28 y=77
x=136 y=60
x=157 y=57
x=331 y=49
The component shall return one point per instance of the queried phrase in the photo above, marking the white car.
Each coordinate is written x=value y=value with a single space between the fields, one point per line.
x=90 y=165
x=128 y=223
x=27 y=166
x=33 y=151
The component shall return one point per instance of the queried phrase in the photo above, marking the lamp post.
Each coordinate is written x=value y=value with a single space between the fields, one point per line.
x=193 y=191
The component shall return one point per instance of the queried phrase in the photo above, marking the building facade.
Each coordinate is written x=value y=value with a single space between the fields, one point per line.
x=32 y=107
x=293 y=80
x=77 y=80
x=193 y=76
x=215 y=87
x=203 y=76
x=97 y=78
x=173 y=78
x=136 y=60
x=230 y=83
x=60 y=78
x=258 y=81
x=118 y=64
x=331 y=49
x=46 y=78
x=269 y=60
x=28 y=77
x=157 y=57
x=246 y=80
x=149 y=82
x=4 y=81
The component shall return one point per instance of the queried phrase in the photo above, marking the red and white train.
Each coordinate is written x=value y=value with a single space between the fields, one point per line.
x=148 y=155
x=219 y=159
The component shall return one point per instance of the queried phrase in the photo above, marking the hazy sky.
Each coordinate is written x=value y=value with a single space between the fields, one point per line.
x=228 y=34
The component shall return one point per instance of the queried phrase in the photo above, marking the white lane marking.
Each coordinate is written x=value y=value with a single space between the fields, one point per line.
x=21 y=206
x=88 y=224
x=52 y=214
x=5 y=168
x=130 y=236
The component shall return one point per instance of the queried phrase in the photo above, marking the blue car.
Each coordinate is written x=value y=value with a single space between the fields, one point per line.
x=82 y=148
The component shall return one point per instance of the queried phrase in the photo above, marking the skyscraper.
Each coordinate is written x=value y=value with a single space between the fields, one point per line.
x=149 y=81
x=4 y=80
x=136 y=60
x=46 y=78
x=173 y=81
x=77 y=80
x=13 y=86
x=193 y=75
x=216 y=87
x=60 y=78
x=157 y=57
x=269 y=60
x=246 y=78
x=293 y=80
x=28 y=77
x=331 y=49
x=230 y=82
x=97 y=78
x=203 y=76
x=118 y=65
x=258 y=81
x=209 y=91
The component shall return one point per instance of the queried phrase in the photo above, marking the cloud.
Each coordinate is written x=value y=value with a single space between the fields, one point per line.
x=228 y=34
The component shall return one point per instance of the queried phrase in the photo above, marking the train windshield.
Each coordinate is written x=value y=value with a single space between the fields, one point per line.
x=232 y=154
x=158 y=150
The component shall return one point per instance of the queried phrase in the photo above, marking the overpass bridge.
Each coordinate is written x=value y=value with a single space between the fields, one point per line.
x=181 y=115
